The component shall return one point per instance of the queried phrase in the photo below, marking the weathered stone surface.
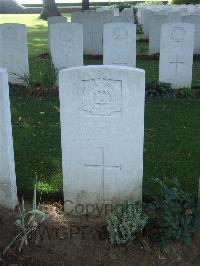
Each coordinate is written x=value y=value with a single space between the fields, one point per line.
x=195 y=20
x=102 y=128
x=176 y=54
x=155 y=24
x=66 y=45
x=119 y=44
x=14 y=51
x=51 y=21
x=8 y=189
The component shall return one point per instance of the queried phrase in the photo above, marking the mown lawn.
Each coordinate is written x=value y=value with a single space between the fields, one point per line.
x=172 y=139
x=172 y=143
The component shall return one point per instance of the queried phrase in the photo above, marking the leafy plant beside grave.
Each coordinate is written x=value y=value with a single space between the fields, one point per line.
x=28 y=224
x=125 y=222
x=47 y=77
x=159 y=90
x=184 y=93
x=174 y=214
x=139 y=29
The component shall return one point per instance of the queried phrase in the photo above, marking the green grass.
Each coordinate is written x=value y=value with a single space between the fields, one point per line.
x=172 y=143
x=172 y=139
x=36 y=132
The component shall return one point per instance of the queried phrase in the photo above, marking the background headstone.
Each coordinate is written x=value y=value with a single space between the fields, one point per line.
x=102 y=128
x=14 y=51
x=176 y=54
x=56 y=19
x=8 y=189
x=51 y=21
x=93 y=33
x=195 y=20
x=66 y=45
x=155 y=24
x=119 y=44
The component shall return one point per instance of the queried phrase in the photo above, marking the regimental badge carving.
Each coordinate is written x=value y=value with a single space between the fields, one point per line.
x=66 y=36
x=10 y=34
x=102 y=97
x=120 y=34
x=178 y=34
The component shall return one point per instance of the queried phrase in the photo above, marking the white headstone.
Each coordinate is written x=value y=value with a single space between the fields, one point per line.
x=56 y=19
x=119 y=44
x=176 y=54
x=14 y=51
x=51 y=21
x=66 y=45
x=93 y=33
x=155 y=24
x=195 y=20
x=77 y=17
x=93 y=28
x=102 y=128
x=8 y=189
x=145 y=16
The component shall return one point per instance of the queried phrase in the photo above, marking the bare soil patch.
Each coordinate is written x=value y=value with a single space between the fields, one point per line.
x=64 y=240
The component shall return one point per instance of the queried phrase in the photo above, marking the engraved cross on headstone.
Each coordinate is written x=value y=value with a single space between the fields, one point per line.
x=177 y=62
x=102 y=166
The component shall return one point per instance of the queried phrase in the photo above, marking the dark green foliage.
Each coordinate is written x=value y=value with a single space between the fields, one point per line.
x=184 y=93
x=125 y=222
x=175 y=214
x=48 y=76
x=159 y=90
x=122 y=5
x=139 y=29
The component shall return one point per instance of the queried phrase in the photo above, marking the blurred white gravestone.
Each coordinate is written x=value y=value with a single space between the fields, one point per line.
x=155 y=24
x=176 y=54
x=66 y=44
x=195 y=20
x=102 y=129
x=93 y=33
x=8 y=188
x=14 y=51
x=56 y=19
x=119 y=44
x=51 y=21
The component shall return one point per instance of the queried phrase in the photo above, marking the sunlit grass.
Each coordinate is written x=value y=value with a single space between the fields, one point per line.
x=172 y=143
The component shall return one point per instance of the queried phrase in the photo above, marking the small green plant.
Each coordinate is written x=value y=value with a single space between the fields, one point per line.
x=28 y=223
x=139 y=29
x=48 y=77
x=184 y=93
x=125 y=222
x=174 y=214
x=159 y=90
x=27 y=81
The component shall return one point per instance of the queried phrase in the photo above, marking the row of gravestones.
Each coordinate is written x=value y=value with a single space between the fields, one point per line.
x=102 y=128
x=155 y=25
x=173 y=12
x=66 y=47
x=93 y=23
